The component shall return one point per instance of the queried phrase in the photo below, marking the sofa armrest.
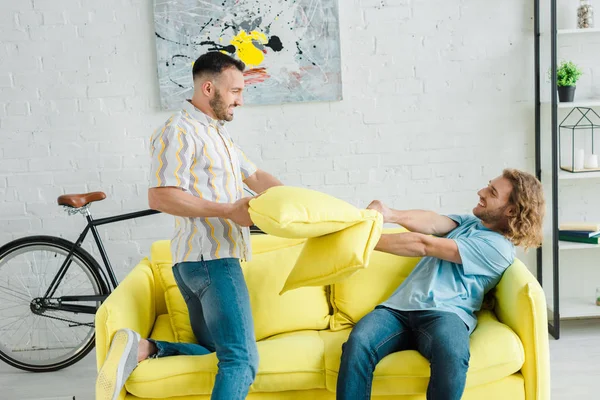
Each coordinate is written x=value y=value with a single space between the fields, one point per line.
x=132 y=305
x=521 y=304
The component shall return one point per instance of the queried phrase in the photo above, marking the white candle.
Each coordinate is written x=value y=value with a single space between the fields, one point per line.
x=579 y=158
x=591 y=161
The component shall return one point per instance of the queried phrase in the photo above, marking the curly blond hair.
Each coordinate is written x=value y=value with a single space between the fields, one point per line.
x=525 y=225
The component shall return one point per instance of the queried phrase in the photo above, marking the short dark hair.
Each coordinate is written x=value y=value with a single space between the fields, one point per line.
x=214 y=62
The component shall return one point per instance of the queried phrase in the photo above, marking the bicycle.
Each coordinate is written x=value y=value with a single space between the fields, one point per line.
x=49 y=325
x=56 y=307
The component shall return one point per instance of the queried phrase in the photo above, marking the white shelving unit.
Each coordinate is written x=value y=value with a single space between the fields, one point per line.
x=573 y=307
x=568 y=307
x=563 y=245
x=578 y=308
x=564 y=32
x=564 y=175
x=581 y=103
x=578 y=31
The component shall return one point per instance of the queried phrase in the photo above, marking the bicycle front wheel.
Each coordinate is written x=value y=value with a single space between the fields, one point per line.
x=41 y=333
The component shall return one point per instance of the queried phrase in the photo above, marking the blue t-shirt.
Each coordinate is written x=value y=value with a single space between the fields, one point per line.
x=458 y=288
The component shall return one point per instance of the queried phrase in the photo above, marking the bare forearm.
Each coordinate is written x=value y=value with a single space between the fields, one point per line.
x=407 y=244
x=411 y=244
x=175 y=201
x=261 y=181
x=421 y=221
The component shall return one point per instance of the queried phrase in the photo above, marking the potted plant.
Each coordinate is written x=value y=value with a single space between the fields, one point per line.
x=567 y=75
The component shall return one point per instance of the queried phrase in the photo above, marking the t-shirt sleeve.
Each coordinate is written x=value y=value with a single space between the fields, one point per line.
x=461 y=219
x=172 y=153
x=247 y=167
x=485 y=254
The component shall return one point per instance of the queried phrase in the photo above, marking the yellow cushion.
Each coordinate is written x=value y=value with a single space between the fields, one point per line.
x=306 y=308
x=162 y=329
x=356 y=296
x=293 y=212
x=331 y=258
x=293 y=361
x=162 y=266
x=496 y=352
x=272 y=261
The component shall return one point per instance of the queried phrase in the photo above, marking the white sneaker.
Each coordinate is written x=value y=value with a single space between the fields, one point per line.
x=119 y=364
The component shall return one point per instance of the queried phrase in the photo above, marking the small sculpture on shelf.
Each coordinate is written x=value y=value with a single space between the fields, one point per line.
x=585 y=15
x=578 y=146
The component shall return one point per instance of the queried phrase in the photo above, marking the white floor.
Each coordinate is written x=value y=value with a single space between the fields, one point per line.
x=575 y=360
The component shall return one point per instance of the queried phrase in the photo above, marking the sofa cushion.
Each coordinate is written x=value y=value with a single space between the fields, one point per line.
x=293 y=212
x=292 y=361
x=359 y=294
x=306 y=308
x=496 y=352
x=272 y=260
x=332 y=258
x=162 y=267
x=162 y=329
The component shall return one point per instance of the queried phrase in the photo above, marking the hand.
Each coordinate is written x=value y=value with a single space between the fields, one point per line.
x=238 y=212
x=381 y=208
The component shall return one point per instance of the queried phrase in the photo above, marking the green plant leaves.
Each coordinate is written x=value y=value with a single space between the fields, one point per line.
x=567 y=74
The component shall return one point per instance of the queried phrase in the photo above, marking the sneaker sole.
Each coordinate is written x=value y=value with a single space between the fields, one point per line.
x=121 y=361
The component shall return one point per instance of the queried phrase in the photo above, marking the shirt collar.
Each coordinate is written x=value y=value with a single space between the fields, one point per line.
x=481 y=226
x=199 y=116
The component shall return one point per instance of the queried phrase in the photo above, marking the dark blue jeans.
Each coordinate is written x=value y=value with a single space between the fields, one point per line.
x=441 y=337
x=219 y=305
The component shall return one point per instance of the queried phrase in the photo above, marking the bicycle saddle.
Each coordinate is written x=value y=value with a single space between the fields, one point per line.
x=80 y=200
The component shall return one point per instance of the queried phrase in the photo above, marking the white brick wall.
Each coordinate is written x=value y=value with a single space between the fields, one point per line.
x=437 y=100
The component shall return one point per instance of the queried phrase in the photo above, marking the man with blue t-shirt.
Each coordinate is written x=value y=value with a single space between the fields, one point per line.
x=433 y=310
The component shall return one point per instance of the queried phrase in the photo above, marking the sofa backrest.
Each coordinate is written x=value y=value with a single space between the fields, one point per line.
x=337 y=307
x=353 y=298
x=272 y=260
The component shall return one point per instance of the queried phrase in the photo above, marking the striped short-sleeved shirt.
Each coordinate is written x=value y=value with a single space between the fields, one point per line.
x=195 y=153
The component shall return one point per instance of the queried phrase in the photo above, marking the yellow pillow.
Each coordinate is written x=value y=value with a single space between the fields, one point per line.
x=331 y=258
x=162 y=266
x=272 y=260
x=353 y=298
x=176 y=306
x=293 y=212
x=304 y=309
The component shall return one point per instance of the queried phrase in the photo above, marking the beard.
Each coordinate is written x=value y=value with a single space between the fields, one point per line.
x=220 y=108
x=491 y=216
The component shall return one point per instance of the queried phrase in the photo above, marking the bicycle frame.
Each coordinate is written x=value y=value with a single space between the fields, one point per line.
x=110 y=281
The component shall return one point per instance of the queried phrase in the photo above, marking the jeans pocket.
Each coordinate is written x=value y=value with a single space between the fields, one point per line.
x=192 y=278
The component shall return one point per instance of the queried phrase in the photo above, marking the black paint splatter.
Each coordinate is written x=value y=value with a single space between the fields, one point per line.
x=177 y=56
x=178 y=84
x=169 y=40
x=228 y=26
x=275 y=43
x=214 y=46
x=205 y=25
x=218 y=47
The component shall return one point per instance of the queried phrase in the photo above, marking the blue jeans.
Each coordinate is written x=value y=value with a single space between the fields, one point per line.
x=441 y=337
x=219 y=306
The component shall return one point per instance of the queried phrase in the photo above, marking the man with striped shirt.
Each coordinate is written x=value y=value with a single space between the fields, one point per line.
x=198 y=175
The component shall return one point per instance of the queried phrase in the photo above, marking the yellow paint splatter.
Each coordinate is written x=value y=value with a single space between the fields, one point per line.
x=246 y=50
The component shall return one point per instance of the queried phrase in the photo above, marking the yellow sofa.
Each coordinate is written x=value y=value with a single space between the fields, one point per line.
x=300 y=333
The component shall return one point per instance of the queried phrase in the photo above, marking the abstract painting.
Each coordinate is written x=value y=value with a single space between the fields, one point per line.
x=291 y=48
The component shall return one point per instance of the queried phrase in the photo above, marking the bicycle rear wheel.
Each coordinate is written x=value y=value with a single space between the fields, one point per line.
x=36 y=334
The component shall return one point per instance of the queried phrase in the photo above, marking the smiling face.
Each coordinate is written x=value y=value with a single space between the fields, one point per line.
x=494 y=202
x=227 y=94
